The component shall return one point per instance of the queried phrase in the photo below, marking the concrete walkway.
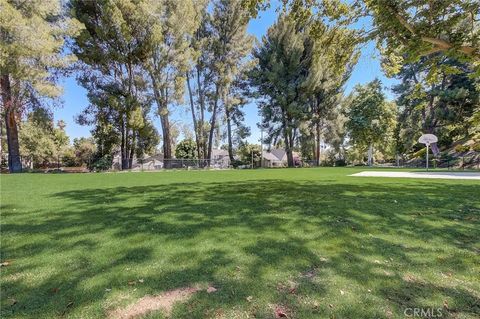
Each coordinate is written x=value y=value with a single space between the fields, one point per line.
x=445 y=175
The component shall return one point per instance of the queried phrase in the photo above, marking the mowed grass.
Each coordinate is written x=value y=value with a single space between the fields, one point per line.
x=314 y=243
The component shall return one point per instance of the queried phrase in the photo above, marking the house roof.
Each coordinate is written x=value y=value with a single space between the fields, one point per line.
x=278 y=154
x=269 y=156
x=219 y=152
x=158 y=157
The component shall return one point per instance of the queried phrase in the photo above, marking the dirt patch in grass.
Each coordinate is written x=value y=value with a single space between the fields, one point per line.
x=147 y=304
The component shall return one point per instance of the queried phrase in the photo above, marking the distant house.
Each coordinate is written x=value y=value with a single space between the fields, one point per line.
x=220 y=158
x=219 y=154
x=278 y=158
x=152 y=162
x=149 y=162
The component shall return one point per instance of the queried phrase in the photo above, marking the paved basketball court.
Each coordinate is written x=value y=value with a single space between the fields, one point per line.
x=444 y=175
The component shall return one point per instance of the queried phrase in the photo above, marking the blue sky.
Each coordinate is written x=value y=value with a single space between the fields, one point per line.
x=75 y=96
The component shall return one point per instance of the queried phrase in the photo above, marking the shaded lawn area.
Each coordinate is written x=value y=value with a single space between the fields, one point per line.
x=314 y=242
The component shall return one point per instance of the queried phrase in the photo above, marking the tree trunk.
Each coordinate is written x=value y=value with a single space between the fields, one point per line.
x=167 y=140
x=370 y=155
x=212 y=127
x=132 y=152
x=194 y=118
x=288 y=148
x=201 y=127
x=14 y=161
x=163 y=114
x=123 y=149
x=317 y=144
x=229 y=135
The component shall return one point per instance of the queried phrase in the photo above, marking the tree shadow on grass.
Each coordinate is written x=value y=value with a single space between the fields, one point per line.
x=267 y=229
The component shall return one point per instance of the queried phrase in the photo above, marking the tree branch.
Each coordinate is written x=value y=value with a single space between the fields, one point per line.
x=440 y=45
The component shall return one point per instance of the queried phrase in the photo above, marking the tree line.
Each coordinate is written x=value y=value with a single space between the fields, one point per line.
x=141 y=60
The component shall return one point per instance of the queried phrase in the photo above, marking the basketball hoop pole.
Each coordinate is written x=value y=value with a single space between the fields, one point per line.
x=428 y=144
x=427 y=139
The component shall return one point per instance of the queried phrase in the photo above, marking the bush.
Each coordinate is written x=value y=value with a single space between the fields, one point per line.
x=476 y=147
x=420 y=154
x=186 y=149
x=340 y=162
x=102 y=163
x=462 y=148
x=69 y=159
x=237 y=163
x=446 y=157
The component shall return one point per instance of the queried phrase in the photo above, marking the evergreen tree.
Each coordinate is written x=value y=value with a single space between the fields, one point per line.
x=334 y=57
x=443 y=104
x=113 y=48
x=280 y=76
x=171 y=25
x=32 y=38
x=231 y=45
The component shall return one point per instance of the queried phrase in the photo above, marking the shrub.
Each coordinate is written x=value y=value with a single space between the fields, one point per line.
x=237 y=163
x=462 y=148
x=340 y=162
x=420 y=154
x=102 y=163
x=476 y=147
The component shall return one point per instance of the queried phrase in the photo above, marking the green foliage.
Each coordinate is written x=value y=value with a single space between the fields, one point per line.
x=231 y=45
x=84 y=149
x=170 y=25
x=407 y=31
x=40 y=141
x=280 y=80
x=420 y=153
x=370 y=117
x=68 y=157
x=31 y=47
x=444 y=107
x=113 y=48
x=36 y=143
x=246 y=151
x=186 y=149
x=100 y=162
x=476 y=147
x=462 y=148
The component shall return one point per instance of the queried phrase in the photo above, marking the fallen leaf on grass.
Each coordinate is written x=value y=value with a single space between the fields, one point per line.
x=132 y=282
x=389 y=313
x=249 y=298
x=280 y=313
x=13 y=302
x=211 y=289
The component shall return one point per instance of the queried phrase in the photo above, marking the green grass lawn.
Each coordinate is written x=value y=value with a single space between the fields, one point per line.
x=312 y=242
